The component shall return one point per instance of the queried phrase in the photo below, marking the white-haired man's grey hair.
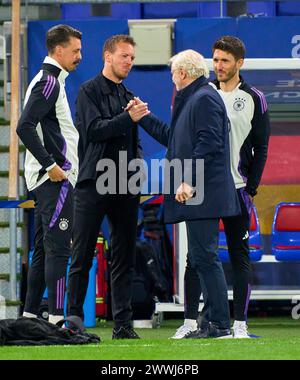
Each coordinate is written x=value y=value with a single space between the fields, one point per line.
x=192 y=62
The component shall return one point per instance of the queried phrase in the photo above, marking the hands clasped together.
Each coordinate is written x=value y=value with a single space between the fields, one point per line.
x=137 y=109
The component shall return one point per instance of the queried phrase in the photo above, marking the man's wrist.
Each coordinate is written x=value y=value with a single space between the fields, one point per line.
x=51 y=167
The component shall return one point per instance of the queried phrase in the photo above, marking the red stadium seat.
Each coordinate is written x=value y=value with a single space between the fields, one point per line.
x=286 y=232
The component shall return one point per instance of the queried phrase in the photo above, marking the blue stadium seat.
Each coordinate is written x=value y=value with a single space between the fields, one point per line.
x=181 y=10
x=75 y=11
x=286 y=232
x=129 y=11
x=288 y=8
x=254 y=240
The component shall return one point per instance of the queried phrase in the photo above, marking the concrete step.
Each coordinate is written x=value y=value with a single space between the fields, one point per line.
x=5 y=291
x=4 y=161
x=4 y=186
x=5 y=237
x=9 y=310
x=5 y=263
x=2 y=112
x=4 y=217
x=4 y=134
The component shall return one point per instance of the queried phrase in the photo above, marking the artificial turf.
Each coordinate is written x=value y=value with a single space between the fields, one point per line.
x=280 y=339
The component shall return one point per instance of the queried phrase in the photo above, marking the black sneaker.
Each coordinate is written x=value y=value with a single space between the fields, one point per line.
x=198 y=334
x=124 y=333
x=211 y=331
x=216 y=332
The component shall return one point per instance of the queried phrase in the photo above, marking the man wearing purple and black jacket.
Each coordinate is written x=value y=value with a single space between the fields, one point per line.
x=51 y=167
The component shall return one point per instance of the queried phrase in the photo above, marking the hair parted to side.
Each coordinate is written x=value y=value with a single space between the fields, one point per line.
x=111 y=43
x=231 y=44
x=192 y=62
x=60 y=35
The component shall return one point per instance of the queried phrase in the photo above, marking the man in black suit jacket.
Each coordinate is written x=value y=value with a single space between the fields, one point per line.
x=105 y=129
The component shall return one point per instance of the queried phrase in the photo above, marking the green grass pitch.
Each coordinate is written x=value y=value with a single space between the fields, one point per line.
x=280 y=340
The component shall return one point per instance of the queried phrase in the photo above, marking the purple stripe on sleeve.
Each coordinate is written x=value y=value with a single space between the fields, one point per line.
x=67 y=164
x=47 y=84
x=263 y=102
x=60 y=202
x=50 y=90
x=240 y=171
x=247 y=200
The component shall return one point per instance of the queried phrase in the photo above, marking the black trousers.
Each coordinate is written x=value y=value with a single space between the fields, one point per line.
x=53 y=221
x=122 y=213
x=237 y=236
x=204 y=260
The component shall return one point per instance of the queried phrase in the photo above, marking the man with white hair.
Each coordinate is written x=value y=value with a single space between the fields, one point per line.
x=199 y=131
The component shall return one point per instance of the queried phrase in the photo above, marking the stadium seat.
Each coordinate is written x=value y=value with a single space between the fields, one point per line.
x=286 y=232
x=254 y=240
x=75 y=11
x=288 y=8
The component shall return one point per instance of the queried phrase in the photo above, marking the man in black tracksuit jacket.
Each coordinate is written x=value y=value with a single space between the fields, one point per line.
x=105 y=129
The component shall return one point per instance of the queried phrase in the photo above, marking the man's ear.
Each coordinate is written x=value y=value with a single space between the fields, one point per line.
x=240 y=62
x=58 y=50
x=182 y=74
x=107 y=56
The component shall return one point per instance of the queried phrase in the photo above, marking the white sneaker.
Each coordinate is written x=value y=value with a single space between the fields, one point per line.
x=183 y=331
x=240 y=330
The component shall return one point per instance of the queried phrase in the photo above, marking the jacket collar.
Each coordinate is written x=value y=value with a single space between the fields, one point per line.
x=55 y=68
x=217 y=83
x=192 y=88
x=106 y=89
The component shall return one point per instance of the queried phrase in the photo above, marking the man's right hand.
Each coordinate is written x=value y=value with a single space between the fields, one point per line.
x=137 y=109
x=57 y=174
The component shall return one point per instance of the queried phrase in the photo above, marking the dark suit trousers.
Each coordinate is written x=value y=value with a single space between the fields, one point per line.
x=203 y=236
x=122 y=213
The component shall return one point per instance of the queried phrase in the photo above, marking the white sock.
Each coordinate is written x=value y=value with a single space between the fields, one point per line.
x=192 y=323
x=239 y=323
x=55 y=318
x=29 y=315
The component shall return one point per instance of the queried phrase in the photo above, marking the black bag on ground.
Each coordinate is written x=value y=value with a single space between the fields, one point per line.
x=153 y=276
x=142 y=294
x=38 y=332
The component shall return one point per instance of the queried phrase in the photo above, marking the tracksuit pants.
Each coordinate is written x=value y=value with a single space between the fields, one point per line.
x=53 y=222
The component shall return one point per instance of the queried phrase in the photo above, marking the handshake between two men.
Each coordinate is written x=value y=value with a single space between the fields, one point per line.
x=137 y=109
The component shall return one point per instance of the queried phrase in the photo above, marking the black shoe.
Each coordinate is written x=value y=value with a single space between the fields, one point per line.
x=198 y=334
x=211 y=331
x=124 y=333
x=216 y=332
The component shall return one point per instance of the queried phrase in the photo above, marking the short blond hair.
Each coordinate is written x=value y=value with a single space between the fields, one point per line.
x=192 y=62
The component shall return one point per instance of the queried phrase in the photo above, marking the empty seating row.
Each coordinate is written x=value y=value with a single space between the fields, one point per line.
x=181 y=10
x=285 y=239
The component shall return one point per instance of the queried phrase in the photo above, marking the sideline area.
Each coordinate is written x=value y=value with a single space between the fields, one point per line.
x=280 y=340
